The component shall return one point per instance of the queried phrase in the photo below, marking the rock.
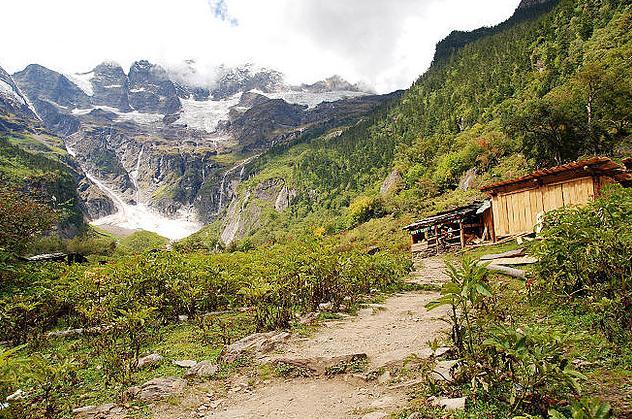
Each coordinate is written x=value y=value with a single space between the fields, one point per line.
x=391 y=183
x=375 y=415
x=157 y=389
x=325 y=306
x=449 y=404
x=109 y=410
x=415 y=415
x=441 y=351
x=149 y=361
x=319 y=366
x=308 y=319
x=18 y=395
x=443 y=371
x=202 y=369
x=185 y=363
x=384 y=378
x=257 y=342
x=183 y=318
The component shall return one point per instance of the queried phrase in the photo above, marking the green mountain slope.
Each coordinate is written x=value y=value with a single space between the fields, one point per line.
x=35 y=163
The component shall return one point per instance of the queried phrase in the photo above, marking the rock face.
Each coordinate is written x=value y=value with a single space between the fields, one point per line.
x=391 y=183
x=110 y=87
x=11 y=99
x=151 y=90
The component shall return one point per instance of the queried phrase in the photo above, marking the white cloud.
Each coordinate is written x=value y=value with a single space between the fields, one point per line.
x=386 y=43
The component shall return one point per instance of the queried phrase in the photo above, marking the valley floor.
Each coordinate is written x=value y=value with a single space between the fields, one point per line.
x=389 y=334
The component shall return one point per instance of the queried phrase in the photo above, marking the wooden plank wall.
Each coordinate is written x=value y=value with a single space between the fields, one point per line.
x=517 y=212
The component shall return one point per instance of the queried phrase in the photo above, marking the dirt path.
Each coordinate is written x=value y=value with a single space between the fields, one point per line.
x=386 y=333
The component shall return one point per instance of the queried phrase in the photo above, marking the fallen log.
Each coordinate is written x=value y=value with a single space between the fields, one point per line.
x=509 y=254
x=506 y=270
x=523 y=260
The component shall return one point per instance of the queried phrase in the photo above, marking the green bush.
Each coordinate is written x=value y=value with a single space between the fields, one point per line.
x=362 y=209
x=585 y=259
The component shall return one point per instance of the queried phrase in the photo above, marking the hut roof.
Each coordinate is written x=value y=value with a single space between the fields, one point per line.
x=592 y=166
x=446 y=216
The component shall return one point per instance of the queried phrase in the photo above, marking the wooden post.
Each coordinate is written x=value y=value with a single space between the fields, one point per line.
x=462 y=233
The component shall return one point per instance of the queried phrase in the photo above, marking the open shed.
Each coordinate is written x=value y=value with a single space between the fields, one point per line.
x=518 y=204
x=451 y=229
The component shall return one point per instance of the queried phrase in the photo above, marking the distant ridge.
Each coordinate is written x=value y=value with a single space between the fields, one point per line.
x=527 y=10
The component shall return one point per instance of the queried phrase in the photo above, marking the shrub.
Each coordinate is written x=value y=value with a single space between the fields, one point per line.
x=362 y=209
x=464 y=292
x=585 y=258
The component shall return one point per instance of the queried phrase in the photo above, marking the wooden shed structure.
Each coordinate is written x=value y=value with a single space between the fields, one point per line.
x=451 y=229
x=518 y=204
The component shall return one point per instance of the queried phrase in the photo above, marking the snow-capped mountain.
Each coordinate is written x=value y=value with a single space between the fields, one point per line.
x=149 y=138
x=11 y=99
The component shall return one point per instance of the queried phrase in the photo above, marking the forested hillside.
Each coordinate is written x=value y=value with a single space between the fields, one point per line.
x=544 y=88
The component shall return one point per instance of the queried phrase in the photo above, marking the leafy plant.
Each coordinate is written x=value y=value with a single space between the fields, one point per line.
x=533 y=364
x=465 y=291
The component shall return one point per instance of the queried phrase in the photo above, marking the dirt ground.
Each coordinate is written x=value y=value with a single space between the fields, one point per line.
x=387 y=332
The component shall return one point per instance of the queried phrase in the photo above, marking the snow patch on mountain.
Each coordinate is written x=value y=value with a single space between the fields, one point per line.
x=8 y=92
x=83 y=81
x=206 y=115
x=134 y=116
x=311 y=99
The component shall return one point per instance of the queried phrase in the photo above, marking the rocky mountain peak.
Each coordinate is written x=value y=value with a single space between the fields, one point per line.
x=332 y=84
x=151 y=90
x=525 y=4
x=232 y=80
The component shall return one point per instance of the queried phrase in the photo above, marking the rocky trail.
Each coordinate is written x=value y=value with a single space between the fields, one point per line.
x=381 y=336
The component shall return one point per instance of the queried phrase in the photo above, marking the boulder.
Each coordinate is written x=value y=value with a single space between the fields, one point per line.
x=443 y=370
x=204 y=369
x=157 y=389
x=257 y=342
x=184 y=363
x=449 y=404
x=149 y=361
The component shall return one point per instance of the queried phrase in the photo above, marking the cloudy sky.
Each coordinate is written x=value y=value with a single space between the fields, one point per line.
x=385 y=43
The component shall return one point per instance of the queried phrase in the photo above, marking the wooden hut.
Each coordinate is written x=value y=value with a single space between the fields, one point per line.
x=518 y=204
x=451 y=229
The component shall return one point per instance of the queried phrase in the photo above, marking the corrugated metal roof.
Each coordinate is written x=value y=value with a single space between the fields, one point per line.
x=446 y=216
x=600 y=165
